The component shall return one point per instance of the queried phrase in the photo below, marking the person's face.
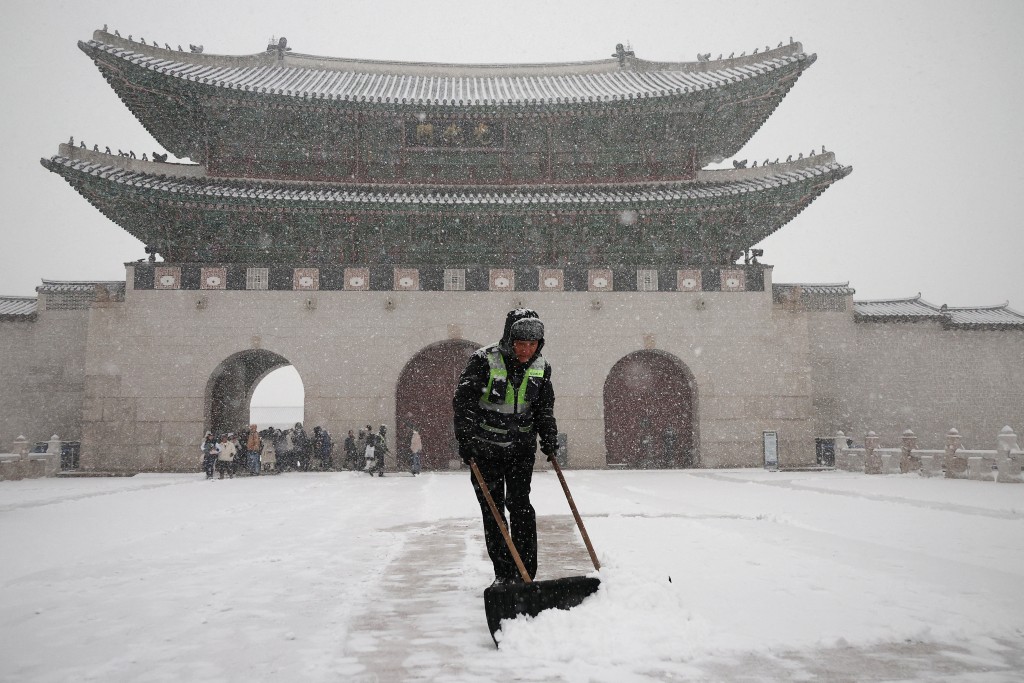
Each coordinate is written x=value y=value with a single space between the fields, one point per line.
x=524 y=349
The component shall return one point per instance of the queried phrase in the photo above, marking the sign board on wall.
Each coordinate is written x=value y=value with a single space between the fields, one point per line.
x=771 y=450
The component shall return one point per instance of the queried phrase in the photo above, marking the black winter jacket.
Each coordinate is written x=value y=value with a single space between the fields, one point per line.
x=471 y=387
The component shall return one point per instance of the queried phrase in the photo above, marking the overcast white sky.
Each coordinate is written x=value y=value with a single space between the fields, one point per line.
x=919 y=97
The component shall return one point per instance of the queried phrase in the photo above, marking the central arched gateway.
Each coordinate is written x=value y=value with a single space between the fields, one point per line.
x=650 y=401
x=423 y=401
x=231 y=384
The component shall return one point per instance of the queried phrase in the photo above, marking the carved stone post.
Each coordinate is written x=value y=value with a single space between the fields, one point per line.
x=53 y=448
x=1008 y=457
x=839 y=449
x=908 y=461
x=21 y=446
x=872 y=460
x=956 y=465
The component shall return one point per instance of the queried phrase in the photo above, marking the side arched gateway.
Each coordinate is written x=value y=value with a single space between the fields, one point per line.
x=650 y=409
x=229 y=390
x=423 y=401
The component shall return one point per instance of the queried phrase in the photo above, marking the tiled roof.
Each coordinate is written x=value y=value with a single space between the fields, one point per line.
x=984 y=315
x=85 y=286
x=910 y=308
x=915 y=308
x=709 y=185
x=842 y=288
x=305 y=76
x=17 y=307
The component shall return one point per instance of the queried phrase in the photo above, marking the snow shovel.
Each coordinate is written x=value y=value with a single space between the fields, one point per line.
x=532 y=597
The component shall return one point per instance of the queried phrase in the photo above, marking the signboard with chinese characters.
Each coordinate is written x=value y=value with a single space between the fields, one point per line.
x=429 y=132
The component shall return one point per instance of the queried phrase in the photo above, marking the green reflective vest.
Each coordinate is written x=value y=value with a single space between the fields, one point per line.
x=505 y=409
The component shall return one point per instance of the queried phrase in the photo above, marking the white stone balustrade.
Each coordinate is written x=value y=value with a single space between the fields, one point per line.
x=20 y=464
x=1008 y=457
x=890 y=459
x=1003 y=464
x=931 y=463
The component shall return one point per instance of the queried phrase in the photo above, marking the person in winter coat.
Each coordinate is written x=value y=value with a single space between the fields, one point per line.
x=380 y=444
x=301 y=447
x=226 y=457
x=252 y=448
x=416 y=450
x=210 y=450
x=268 y=456
x=351 y=452
x=503 y=402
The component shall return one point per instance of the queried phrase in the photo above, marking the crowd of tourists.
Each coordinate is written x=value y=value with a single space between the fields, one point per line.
x=271 y=451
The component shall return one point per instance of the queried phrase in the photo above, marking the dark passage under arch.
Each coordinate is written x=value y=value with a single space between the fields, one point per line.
x=231 y=384
x=650 y=403
x=423 y=401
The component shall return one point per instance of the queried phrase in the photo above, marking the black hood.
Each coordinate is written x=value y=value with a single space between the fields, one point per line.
x=510 y=319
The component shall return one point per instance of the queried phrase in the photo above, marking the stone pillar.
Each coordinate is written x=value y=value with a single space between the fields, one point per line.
x=20 y=446
x=1008 y=457
x=53 y=448
x=956 y=465
x=908 y=461
x=872 y=460
x=839 y=448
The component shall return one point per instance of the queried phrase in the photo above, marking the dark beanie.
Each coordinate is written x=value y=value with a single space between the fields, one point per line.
x=527 y=329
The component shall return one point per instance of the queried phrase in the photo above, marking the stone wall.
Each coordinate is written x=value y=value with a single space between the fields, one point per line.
x=150 y=361
x=891 y=376
x=42 y=375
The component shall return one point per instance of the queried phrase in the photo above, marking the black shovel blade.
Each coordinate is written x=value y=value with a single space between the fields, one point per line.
x=510 y=600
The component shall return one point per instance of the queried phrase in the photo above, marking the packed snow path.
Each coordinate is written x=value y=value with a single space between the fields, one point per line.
x=337 y=576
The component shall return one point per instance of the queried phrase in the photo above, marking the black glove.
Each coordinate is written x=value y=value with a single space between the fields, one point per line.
x=551 y=456
x=466 y=452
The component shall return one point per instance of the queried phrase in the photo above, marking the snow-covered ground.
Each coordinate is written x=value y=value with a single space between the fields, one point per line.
x=340 y=577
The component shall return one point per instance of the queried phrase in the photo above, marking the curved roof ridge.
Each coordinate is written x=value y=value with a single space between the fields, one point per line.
x=995 y=307
x=612 y=63
x=424 y=83
x=811 y=284
x=149 y=175
x=899 y=300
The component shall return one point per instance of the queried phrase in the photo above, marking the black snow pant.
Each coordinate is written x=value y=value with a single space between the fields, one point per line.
x=508 y=473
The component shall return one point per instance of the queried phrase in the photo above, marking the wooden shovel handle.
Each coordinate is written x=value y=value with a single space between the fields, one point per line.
x=576 y=514
x=501 y=524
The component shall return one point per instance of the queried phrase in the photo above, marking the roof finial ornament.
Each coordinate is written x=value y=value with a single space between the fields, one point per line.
x=71 y=141
x=179 y=48
x=96 y=148
x=117 y=33
x=621 y=53
x=196 y=49
x=823 y=149
x=739 y=164
x=107 y=151
x=104 y=28
x=82 y=144
x=159 y=158
x=167 y=47
x=705 y=57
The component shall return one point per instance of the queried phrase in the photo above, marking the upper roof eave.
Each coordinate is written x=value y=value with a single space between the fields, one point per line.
x=421 y=84
x=190 y=180
x=369 y=66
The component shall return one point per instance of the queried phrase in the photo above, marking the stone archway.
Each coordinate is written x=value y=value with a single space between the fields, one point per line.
x=650 y=408
x=423 y=400
x=229 y=390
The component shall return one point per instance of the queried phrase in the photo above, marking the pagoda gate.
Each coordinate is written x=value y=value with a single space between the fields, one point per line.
x=371 y=222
